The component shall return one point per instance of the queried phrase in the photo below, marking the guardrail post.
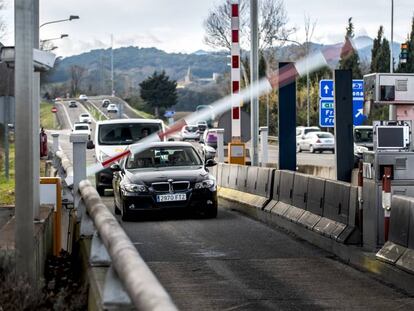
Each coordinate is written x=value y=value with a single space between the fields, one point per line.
x=79 y=164
x=264 y=145
x=55 y=138
x=220 y=145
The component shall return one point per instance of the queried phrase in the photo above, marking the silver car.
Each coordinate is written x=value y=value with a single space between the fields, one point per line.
x=317 y=141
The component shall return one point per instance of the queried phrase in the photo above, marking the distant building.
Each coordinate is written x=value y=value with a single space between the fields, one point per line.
x=189 y=79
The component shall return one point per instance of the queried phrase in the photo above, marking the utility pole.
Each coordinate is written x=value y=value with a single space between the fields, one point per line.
x=36 y=115
x=392 y=110
x=254 y=76
x=112 y=66
x=26 y=185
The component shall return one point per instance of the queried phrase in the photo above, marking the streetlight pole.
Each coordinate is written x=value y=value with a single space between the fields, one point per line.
x=71 y=17
x=26 y=184
x=254 y=76
x=392 y=114
x=36 y=117
x=112 y=66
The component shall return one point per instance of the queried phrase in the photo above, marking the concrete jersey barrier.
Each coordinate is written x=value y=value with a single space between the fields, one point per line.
x=399 y=249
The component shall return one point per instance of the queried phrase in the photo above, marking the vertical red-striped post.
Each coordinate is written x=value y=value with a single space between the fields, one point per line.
x=386 y=200
x=235 y=71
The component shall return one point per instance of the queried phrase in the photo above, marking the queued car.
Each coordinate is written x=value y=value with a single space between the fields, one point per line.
x=113 y=137
x=190 y=132
x=112 y=108
x=83 y=97
x=85 y=118
x=210 y=138
x=73 y=104
x=105 y=103
x=165 y=175
x=317 y=142
x=82 y=128
x=363 y=141
x=202 y=126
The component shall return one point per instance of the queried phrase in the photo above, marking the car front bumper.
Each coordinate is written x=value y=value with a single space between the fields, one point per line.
x=197 y=200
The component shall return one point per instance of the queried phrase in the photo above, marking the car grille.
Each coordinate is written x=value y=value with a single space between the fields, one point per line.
x=165 y=186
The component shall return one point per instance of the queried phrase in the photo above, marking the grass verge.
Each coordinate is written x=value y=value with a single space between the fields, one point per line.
x=47 y=118
x=7 y=186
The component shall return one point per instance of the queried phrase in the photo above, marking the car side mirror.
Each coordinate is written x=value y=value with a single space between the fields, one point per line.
x=115 y=167
x=90 y=145
x=210 y=163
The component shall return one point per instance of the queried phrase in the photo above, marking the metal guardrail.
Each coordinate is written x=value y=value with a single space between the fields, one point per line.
x=142 y=286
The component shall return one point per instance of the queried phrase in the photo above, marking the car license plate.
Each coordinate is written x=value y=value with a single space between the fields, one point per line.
x=171 y=197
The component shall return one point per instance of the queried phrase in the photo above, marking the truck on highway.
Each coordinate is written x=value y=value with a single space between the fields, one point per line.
x=113 y=137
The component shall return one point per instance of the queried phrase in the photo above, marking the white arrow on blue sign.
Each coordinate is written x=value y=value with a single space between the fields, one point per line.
x=326 y=94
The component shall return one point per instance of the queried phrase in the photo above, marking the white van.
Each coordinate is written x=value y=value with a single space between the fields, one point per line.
x=113 y=137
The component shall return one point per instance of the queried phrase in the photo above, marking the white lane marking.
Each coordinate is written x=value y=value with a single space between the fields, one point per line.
x=86 y=110
x=67 y=114
x=125 y=116
x=101 y=112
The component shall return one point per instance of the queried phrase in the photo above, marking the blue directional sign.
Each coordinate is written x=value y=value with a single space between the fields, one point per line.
x=326 y=89
x=326 y=94
x=326 y=113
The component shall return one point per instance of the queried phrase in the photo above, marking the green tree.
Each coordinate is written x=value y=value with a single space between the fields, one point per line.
x=409 y=65
x=351 y=61
x=380 y=53
x=159 y=91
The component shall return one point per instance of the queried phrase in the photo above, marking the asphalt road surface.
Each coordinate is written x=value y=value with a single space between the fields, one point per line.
x=236 y=263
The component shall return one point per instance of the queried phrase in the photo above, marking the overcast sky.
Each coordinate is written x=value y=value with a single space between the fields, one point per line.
x=177 y=25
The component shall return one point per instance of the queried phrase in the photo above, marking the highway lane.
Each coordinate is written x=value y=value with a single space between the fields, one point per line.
x=234 y=262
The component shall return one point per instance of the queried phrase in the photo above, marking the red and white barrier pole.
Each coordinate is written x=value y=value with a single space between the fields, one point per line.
x=386 y=200
x=277 y=79
x=235 y=72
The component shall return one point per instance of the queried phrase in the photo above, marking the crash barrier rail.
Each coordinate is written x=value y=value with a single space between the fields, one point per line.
x=128 y=281
x=324 y=206
x=399 y=249
x=143 y=288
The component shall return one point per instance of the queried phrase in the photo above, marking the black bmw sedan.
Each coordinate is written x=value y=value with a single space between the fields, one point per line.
x=165 y=175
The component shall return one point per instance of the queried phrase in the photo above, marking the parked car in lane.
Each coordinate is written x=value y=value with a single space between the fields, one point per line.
x=83 y=97
x=73 y=104
x=82 y=128
x=301 y=132
x=113 y=137
x=112 y=108
x=190 y=132
x=105 y=103
x=85 y=118
x=166 y=175
x=317 y=141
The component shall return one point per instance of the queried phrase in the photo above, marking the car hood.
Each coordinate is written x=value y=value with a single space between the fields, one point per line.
x=148 y=177
x=111 y=150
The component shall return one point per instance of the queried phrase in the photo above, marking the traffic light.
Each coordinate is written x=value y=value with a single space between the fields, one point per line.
x=404 y=52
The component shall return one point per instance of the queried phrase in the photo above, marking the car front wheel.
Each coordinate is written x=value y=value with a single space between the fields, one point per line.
x=125 y=214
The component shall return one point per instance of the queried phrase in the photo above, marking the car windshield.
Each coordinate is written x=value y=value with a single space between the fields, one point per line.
x=159 y=157
x=191 y=129
x=125 y=133
x=81 y=127
x=324 y=135
x=363 y=135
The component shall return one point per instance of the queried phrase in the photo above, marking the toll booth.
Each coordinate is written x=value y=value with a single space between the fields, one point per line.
x=390 y=163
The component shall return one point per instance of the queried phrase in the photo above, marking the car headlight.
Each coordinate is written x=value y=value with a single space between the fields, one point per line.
x=134 y=188
x=360 y=149
x=208 y=183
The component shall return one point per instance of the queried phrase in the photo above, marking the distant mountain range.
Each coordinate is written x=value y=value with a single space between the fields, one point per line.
x=134 y=64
